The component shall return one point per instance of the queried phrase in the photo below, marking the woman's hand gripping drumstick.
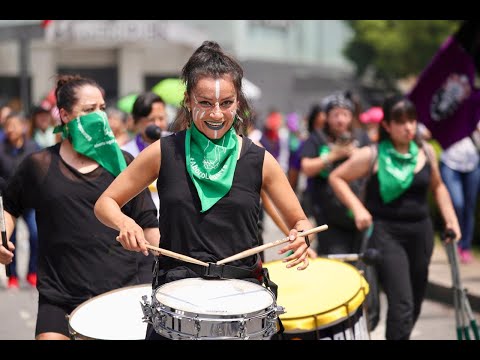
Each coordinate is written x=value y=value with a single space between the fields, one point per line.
x=260 y=248
x=134 y=238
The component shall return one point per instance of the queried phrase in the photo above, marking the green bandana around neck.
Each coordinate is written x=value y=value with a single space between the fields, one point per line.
x=211 y=164
x=395 y=170
x=324 y=150
x=92 y=136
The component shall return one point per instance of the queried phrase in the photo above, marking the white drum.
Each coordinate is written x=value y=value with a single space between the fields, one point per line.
x=115 y=315
x=200 y=309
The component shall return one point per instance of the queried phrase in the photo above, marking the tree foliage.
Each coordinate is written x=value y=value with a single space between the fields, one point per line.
x=395 y=49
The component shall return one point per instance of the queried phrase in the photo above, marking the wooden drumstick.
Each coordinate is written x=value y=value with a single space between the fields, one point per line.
x=176 y=255
x=260 y=248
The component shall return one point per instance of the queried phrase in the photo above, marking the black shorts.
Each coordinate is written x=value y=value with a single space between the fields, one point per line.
x=52 y=318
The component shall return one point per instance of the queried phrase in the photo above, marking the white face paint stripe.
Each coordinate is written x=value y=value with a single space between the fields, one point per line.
x=217 y=89
x=215 y=136
x=195 y=114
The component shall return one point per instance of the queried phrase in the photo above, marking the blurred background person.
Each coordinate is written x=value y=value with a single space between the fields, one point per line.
x=459 y=166
x=41 y=127
x=148 y=109
x=148 y=112
x=371 y=120
x=296 y=139
x=4 y=111
x=13 y=149
x=275 y=138
x=117 y=120
x=323 y=151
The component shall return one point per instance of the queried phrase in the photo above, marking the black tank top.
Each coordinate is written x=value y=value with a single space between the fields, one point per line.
x=412 y=205
x=227 y=228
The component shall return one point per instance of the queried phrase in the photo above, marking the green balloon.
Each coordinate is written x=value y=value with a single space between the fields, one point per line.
x=126 y=103
x=171 y=90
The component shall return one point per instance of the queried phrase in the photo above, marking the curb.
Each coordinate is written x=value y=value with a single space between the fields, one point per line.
x=443 y=294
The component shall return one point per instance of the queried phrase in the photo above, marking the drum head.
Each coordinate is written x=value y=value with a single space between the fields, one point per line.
x=214 y=297
x=326 y=292
x=115 y=315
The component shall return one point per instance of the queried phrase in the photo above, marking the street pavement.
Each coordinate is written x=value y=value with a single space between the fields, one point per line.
x=437 y=320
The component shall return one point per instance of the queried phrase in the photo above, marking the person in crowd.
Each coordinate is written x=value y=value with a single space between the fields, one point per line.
x=117 y=120
x=316 y=118
x=275 y=138
x=78 y=257
x=209 y=180
x=460 y=170
x=295 y=142
x=399 y=171
x=41 y=127
x=4 y=111
x=371 y=119
x=148 y=110
x=323 y=151
x=13 y=150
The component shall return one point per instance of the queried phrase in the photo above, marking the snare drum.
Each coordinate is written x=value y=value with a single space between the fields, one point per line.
x=115 y=315
x=200 y=309
x=324 y=301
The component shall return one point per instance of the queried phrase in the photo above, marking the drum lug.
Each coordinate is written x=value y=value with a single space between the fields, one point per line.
x=159 y=320
x=242 y=330
x=197 y=327
x=280 y=310
x=146 y=309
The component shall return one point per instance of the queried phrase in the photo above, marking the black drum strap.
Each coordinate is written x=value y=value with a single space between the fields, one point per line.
x=269 y=284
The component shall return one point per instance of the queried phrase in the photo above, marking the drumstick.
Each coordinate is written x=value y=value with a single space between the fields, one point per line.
x=3 y=229
x=176 y=255
x=260 y=248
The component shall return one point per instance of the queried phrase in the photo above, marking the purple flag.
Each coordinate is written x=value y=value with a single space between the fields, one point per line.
x=445 y=97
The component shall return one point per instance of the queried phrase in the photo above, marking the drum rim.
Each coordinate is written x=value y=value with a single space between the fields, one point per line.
x=74 y=333
x=271 y=307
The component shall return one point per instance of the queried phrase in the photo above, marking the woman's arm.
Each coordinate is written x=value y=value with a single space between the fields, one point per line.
x=357 y=166
x=278 y=189
x=141 y=172
x=441 y=194
x=6 y=255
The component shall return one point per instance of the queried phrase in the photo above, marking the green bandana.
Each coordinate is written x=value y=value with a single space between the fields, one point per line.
x=91 y=136
x=324 y=150
x=211 y=164
x=395 y=170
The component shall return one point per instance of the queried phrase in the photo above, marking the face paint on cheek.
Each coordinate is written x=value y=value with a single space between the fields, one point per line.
x=195 y=113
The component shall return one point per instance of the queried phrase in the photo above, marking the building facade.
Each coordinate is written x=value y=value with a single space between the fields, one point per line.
x=294 y=62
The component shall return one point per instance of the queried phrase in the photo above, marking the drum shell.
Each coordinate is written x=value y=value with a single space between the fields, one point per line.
x=174 y=322
x=325 y=301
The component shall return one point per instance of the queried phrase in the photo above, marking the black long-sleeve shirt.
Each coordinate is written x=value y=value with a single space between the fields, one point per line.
x=78 y=257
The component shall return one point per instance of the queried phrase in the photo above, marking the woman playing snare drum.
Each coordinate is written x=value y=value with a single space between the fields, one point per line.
x=209 y=179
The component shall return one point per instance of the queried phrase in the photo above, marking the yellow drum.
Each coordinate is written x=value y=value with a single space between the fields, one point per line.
x=322 y=302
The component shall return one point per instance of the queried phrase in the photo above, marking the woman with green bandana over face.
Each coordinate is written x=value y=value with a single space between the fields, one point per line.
x=78 y=256
x=402 y=170
x=210 y=176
